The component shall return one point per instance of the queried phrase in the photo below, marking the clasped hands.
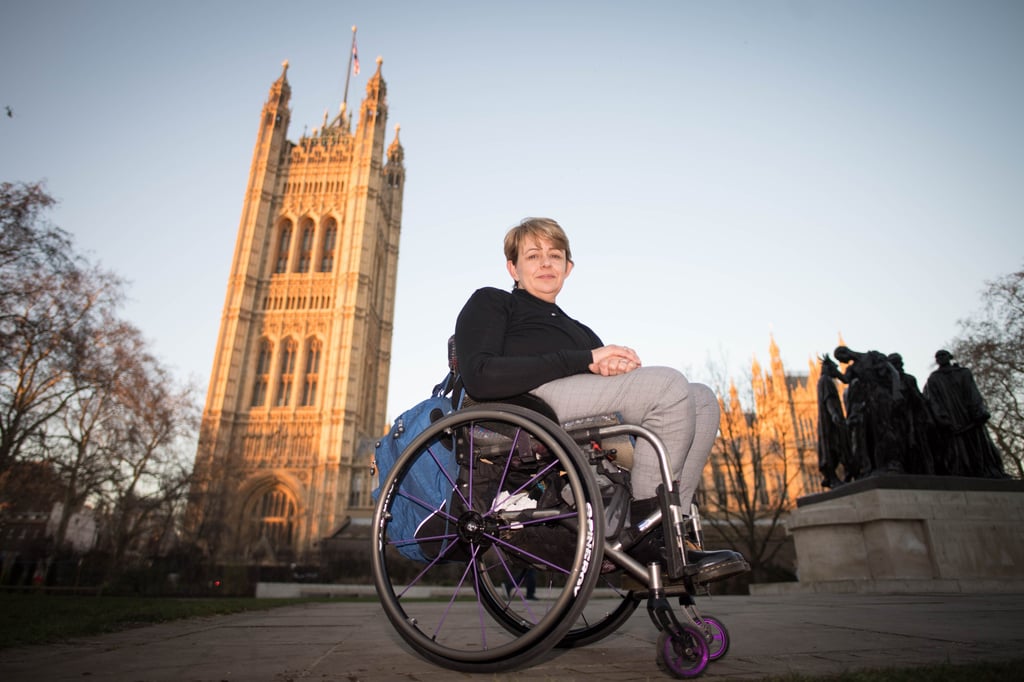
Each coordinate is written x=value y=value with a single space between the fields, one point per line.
x=610 y=361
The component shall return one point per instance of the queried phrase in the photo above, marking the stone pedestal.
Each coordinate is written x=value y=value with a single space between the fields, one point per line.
x=910 y=534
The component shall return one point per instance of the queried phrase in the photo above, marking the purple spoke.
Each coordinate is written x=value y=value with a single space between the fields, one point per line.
x=431 y=538
x=414 y=581
x=455 y=594
x=469 y=465
x=479 y=572
x=480 y=612
x=517 y=591
x=422 y=573
x=448 y=547
x=426 y=505
x=523 y=553
x=504 y=564
x=444 y=471
x=533 y=522
x=532 y=480
x=504 y=472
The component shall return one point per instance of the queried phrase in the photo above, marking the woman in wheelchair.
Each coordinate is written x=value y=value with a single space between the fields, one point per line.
x=531 y=472
x=520 y=344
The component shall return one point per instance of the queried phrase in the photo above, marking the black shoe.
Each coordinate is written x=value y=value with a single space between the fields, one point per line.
x=702 y=567
x=709 y=567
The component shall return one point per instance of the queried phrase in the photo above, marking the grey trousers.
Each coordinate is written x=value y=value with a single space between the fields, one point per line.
x=684 y=415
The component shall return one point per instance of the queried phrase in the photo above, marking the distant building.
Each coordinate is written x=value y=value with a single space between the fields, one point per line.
x=774 y=439
x=23 y=529
x=298 y=391
x=30 y=513
x=30 y=492
x=82 y=531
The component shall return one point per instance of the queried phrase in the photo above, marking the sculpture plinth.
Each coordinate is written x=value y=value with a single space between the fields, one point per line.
x=902 y=534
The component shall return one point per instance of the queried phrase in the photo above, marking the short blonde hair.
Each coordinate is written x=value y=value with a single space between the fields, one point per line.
x=538 y=228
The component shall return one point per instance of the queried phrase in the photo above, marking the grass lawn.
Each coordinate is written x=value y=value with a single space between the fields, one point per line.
x=41 y=618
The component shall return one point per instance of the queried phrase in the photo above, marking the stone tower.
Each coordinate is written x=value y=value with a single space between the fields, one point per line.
x=766 y=454
x=299 y=384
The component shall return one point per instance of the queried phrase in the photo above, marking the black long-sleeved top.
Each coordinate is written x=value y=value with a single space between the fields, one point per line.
x=508 y=344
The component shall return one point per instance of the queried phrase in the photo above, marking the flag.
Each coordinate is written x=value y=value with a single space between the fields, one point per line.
x=355 y=57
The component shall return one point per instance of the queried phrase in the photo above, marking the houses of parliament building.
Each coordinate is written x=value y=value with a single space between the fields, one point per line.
x=298 y=389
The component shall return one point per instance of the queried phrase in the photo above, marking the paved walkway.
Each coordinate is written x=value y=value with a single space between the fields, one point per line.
x=814 y=634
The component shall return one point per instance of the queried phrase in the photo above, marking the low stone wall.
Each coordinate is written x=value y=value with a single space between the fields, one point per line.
x=296 y=590
x=900 y=534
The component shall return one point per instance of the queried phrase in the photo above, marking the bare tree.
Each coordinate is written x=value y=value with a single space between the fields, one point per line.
x=151 y=463
x=79 y=389
x=754 y=468
x=82 y=443
x=51 y=302
x=763 y=459
x=124 y=439
x=25 y=239
x=991 y=344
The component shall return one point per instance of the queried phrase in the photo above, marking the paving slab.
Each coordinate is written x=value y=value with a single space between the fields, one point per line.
x=812 y=634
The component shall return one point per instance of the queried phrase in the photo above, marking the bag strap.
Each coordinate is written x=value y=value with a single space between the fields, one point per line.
x=452 y=383
x=445 y=386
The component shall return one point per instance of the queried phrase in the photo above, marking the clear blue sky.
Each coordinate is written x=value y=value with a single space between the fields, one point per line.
x=727 y=171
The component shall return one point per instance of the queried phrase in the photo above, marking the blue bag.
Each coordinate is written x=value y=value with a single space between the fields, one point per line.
x=425 y=481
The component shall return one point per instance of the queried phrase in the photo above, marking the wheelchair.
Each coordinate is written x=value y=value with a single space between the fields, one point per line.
x=531 y=494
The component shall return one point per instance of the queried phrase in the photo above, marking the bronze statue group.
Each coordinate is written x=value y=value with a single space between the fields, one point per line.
x=889 y=426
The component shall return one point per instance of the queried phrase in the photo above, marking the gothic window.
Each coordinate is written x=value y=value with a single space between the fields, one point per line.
x=761 y=487
x=259 y=390
x=356 y=489
x=379 y=283
x=312 y=376
x=287 y=376
x=721 y=488
x=810 y=481
x=327 y=252
x=700 y=497
x=369 y=381
x=305 y=248
x=283 y=244
x=780 y=486
x=273 y=517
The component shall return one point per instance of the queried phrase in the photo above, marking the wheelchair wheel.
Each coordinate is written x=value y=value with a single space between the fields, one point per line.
x=603 y=614
x=683 y=654
x=522 y=499
x=715 y=634
x=602 y=617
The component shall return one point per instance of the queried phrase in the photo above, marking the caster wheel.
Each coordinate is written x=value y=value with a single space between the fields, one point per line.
x=684 y=654
x=715 y=635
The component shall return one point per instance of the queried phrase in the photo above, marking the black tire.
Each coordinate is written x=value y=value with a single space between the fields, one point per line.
x=483 y=541
x=682 y=654
x=601 y=618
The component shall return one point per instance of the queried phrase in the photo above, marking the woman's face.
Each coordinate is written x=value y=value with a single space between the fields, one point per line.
x=541 y=268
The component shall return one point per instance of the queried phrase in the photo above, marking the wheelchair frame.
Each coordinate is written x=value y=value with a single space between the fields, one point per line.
x=547 y=494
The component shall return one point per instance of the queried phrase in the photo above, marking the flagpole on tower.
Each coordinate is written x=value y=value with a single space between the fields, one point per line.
x=352 y=55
